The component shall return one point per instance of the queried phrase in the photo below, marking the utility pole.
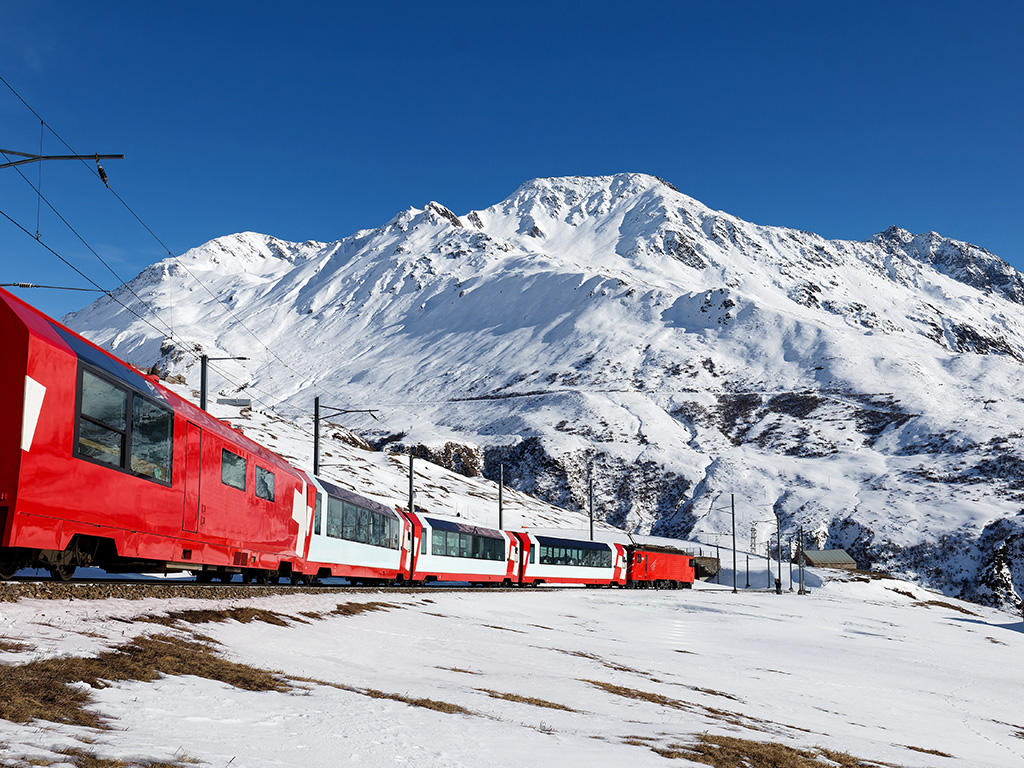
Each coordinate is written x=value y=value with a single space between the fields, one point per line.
x=316 y=424
x=732 y=497
x=591 y=504
x=800 y=557
x=203 y=364
x=412 y=497
x=501 y=489
x=778 y=539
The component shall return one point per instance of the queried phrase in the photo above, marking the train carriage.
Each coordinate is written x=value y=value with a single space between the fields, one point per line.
x=556 y=560
x=451 y=549
x=101 y=465
x=355 y=537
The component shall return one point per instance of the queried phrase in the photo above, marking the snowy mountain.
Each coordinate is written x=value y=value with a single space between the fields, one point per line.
x=614 y=328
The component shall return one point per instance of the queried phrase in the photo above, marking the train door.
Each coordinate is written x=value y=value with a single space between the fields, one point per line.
x=193 y=464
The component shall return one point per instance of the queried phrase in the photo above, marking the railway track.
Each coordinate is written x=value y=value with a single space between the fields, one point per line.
x=140 y=589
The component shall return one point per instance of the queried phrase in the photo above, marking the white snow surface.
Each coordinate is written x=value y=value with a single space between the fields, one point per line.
x=867 y=391
x=879 y=669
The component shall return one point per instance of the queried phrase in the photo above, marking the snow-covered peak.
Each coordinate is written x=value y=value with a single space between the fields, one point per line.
x=614 y=327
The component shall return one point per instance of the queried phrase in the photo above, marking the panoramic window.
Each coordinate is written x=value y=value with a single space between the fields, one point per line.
x=232 y=469
x=354 y=523
x=264 y=483
x=122 y=429
x=577 y=556
x=454 y=544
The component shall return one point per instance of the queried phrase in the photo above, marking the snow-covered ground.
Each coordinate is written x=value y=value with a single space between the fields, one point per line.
x=880 y=669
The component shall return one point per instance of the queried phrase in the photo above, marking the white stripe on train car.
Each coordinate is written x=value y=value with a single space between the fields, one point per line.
x=300 y=514
x=33 y=406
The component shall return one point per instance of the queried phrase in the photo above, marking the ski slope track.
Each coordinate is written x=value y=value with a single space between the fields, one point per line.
x=870 y=392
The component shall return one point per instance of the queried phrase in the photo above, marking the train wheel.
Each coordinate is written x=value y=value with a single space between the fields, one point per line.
x=8 y=567
x=62 y=572
x=203 y=577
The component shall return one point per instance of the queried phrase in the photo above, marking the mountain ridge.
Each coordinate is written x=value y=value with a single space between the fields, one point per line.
x=614 y=327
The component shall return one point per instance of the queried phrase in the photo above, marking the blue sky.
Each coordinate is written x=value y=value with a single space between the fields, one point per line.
x=314 y=120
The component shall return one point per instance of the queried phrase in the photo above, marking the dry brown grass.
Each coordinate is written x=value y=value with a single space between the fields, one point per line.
x=950 y=606
x=935 y=752
x=243 y=615
x=505 y=629
x=432 y=704
x=41 y=690
x=526 y=700
x=903 y=592
x=733 y=752
x=12 y=646
x=457 y=669
x=721 y=715
x=83 y=759
x=354 y=609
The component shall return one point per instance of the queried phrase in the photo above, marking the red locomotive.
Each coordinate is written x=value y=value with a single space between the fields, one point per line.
x=102 y=465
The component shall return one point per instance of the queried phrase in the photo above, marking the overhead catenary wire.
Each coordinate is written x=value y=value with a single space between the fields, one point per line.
x=122 y=283
x=96 y=172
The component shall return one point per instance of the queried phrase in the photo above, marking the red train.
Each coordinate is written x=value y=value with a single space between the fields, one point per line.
x=100 y=465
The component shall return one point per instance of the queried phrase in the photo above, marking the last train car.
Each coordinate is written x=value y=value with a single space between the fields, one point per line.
x=101 y=465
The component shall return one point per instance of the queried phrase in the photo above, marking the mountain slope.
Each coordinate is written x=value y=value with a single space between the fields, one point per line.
x=615 y=328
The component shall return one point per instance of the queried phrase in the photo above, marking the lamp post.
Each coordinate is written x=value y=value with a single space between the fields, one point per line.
x=316 y=427
x=204 y=361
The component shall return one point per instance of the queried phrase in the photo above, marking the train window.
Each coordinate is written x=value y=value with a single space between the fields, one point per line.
x=264 y=483
x=453 y=544
x=363 y=529
x=423 y=543
x=102 y=426
x=317 y=509
x=375 y=530
x=437 y=543
x=533 y=551
x=232 y=469
x=152 y=440
x=335 y=518
x=351 y=521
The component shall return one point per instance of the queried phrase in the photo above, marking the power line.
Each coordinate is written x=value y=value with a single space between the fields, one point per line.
x=138 y=218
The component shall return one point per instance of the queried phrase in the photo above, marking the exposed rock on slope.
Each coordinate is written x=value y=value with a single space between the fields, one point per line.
x=613 y=327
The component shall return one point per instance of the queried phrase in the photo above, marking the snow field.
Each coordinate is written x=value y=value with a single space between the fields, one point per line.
x=856 y=667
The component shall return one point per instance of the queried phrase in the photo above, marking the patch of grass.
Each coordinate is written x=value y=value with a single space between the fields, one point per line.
x=902 y=592
x=505 y=629
x=432 y=704
x=243 y=615
x=456 y=669
x=526 y=700
x=713 y=713
x=950 y=606
x=935 y=752
x=12 y=646
x=83 y=759
x=994 y=641
x=733 y=752
x=41 y=690
x=354 y=609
